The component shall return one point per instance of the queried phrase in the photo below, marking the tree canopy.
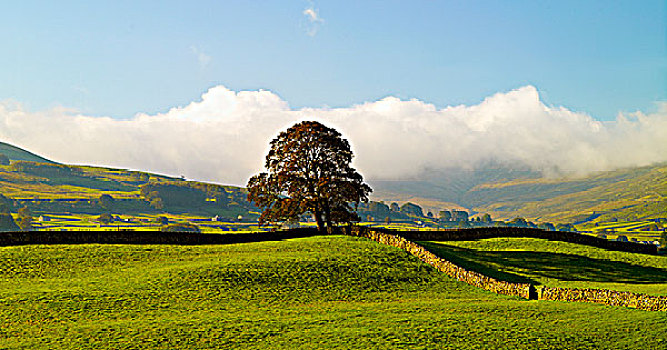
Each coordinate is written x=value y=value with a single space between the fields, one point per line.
x=308 y=172
x=25 y=219
x=412 y=209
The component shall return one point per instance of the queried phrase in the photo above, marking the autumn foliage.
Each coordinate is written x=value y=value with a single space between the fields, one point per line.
x=308 y=172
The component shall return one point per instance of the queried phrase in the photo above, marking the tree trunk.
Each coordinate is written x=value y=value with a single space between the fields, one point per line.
x=327 y=216
x=318 y=219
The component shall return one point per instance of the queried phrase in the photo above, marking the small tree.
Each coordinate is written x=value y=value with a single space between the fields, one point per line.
x=7 y=222
x=445 y=215
x=308 y=171
x=518 y=222
x=663 y=241
x=162 y=220
x=106 y=201
x=378 y=209
x=25 y=219
x=394 y=207
x=157 y=203
x=181 y=227
x=412 y=209
x=547 y=226
x=459 y=215
x=105 y=218
x=486 y=218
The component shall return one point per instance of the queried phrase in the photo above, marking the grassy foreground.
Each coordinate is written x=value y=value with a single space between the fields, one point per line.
x=558 y=264
x=318 y=292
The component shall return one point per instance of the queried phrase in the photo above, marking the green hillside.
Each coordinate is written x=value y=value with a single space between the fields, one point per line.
x=15 y=153
x=625 y=194
x=330 y=292
x=75 y=193
x=48 y=188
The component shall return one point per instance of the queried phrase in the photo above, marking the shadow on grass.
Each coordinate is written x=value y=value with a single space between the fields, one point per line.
x=511 y=266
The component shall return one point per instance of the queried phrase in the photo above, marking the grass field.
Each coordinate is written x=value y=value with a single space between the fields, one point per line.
x=558 y=264
x=318 y=292
x=640 y=230
x=138 y=222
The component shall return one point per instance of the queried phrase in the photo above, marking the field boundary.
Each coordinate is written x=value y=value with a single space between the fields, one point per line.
x=518 y=232
x=523 y=290
x=147 y=237
x=391 y=238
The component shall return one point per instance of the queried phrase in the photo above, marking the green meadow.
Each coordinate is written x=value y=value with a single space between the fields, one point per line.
x=557 y=264
x=319 y=292
x=641 y=230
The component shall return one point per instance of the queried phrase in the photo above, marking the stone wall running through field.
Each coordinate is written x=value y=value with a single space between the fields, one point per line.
x=473 y=278
x=524 y=290
x=604 y=296
x=146 y=237
x=517 y=232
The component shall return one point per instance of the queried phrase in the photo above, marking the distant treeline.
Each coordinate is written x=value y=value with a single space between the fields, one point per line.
x=446 y=218
x=193 y=195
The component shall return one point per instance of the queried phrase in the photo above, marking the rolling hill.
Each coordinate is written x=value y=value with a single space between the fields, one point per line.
x=333 y=292
x=46 y=187
x=504 y=192
x=624 y=194
x=15 y=153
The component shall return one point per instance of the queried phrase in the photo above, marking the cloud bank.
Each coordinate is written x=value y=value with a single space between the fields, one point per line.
x=224 y=137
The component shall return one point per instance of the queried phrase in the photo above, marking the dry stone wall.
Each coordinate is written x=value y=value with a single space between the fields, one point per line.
x=524 y=290
x=605 y=296
x=517 y=232
x=146 y=237
x=473 y=278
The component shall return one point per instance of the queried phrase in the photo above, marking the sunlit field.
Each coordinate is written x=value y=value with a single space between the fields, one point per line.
x=318 y=292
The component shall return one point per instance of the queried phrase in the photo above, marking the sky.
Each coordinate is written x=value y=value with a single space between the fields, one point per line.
x=77 y=77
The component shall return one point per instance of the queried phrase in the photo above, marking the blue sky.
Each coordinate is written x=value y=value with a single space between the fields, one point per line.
x=118 y=58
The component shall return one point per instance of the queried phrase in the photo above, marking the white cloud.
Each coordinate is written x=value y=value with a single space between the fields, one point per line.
x=314 y=20
x=224 y=137
x=202 y=58
x=312 y=14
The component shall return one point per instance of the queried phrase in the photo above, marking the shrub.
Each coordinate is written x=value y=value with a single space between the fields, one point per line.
x=181 y=227
x=105 y=218
x=7 y=222
x=412 y=210
x=25 y=219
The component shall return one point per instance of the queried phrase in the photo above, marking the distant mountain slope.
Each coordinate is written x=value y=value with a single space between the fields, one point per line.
x=46 y=187
x=628 y=194
x=15 y=153
x=502 y=191
x=635 y=193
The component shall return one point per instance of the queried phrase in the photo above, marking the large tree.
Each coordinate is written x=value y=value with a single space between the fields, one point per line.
x=308 y=172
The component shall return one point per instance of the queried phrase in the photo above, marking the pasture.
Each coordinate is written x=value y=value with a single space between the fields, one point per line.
x=318 y=292
x=557 y=264
x=641 y=230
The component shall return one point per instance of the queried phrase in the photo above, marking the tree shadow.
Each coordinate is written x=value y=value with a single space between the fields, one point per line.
x=511 y=265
